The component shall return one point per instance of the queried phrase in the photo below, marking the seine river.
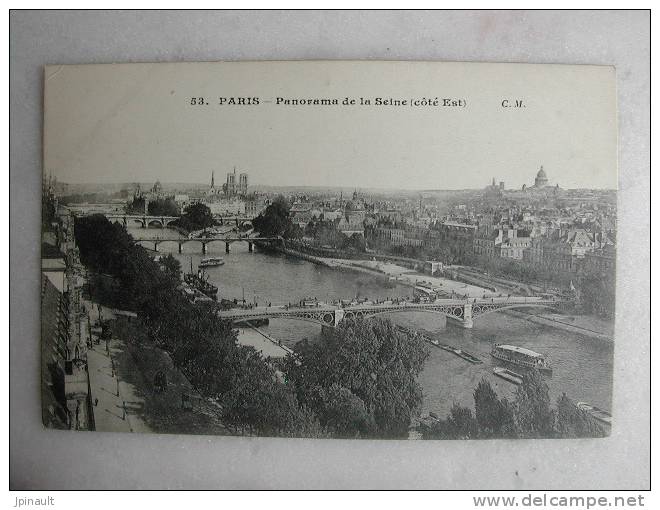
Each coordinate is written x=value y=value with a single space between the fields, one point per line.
x=582 y=366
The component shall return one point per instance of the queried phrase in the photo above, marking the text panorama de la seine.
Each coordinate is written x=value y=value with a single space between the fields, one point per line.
x=413 y=102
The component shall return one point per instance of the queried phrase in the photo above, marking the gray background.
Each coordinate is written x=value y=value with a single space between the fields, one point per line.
x=47 y=459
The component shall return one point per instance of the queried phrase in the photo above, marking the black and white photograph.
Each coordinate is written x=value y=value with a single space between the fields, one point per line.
x=329 y=250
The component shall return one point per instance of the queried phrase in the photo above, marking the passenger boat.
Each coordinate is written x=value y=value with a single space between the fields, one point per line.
x=597 y=413
x=195 y=296
x=212 y=262
x=521 y=357
x=508 y=375
x=200 y=282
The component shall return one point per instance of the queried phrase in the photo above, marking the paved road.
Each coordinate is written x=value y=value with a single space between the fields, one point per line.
x=115 y=401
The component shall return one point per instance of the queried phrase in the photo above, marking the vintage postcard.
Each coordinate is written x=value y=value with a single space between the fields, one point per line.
x=395 y=250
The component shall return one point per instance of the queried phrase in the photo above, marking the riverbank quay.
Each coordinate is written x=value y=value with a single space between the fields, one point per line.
x=411 y=278
x=396 y=273
x=583 y=325
x=138 y=387
x=580 y=325
x=116 y=402
x=268 y=346
x=329 y=253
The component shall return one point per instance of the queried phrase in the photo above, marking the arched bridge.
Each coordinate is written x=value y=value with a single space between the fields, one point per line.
x=147 y=220
x=143 y=219
x=205 y=241
x=461 y=312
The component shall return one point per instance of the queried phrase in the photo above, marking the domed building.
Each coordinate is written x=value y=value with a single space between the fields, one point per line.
x=541 y=180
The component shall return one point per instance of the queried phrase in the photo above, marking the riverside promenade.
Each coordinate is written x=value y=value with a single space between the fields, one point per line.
x=252 y=336
x=115 y=402
x=122 y=378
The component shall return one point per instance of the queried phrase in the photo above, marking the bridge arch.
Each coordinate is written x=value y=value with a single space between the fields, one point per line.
x=212 y=240
x=146 y=243
x=153 y=222
x=481 y=309
x=323 y=319
x=169 y=244
x=455 y=312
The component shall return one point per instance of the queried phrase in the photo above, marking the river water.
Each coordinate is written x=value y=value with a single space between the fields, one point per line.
x=582 y=366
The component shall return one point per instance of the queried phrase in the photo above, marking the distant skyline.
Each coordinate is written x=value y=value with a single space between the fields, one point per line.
x=258 y=185
x=134 y=123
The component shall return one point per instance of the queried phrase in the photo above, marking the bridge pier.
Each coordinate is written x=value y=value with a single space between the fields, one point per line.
x=227 y=248
x=466 y=321
x=180 y=247
x=459 y=323
x=204 y=248
x=250 y=247
x=339 y=315
x=156 y=246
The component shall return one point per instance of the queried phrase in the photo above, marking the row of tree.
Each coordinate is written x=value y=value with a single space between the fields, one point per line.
x=195 y=217
x=359 y=382
x=529 y=415
x=326 y=233
x=517 y=270
x=158 y=207
x=275 y=220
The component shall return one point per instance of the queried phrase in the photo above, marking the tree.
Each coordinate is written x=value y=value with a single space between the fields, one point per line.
x=256 y=402
x=533 y=416
x=572 y=422
x=494 y=416
x=459 y=424
x=345 y=414
x=202 y=345
x=199 y=215
x=163 y=207
x=293 y=231
x=598 y=294
x=195 y=217
x=172 y=266
x=136 y=206
x=356 y=243
x=370 y=360
x=274 y=220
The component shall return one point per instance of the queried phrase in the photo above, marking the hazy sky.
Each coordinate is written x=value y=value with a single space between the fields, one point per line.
x=135 y=123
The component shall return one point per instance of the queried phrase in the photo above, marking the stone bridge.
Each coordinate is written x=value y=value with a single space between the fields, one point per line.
x=461 y=312
x=144 y=220
x=205 y=241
